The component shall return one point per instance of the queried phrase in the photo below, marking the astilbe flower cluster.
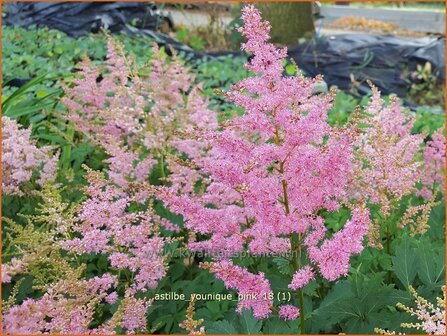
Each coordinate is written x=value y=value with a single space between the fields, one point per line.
x=106 y=103
x=416 y=217
x=289 y=312
x=431 y=318
x=139 y=118
x=271 y=171
x=433 y=170
x=102 y=225
x=192 y=326
x=21 y=158
x=104 y=100
x=178 y=107
x=253 y=289
x=68 y=307
x=157 y=108
x=387 y=166
x=34 y=245
x=130 y=240
x=120 y=112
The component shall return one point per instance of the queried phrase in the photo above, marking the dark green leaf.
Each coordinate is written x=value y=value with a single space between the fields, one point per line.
x=249 y=323
x=404 y=263
x=221 y=327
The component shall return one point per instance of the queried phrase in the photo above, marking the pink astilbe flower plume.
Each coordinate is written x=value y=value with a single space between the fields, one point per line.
x=433 y=170
x=268 y=174
x=130 y=240
x=387 y=165
x=67 y=307
x=105 y=100
x=254 y=289
x=21 y=158
x=302 y=277
x=128 y=114
x=289 y=312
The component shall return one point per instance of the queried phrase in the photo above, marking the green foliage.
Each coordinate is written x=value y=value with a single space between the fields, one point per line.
x=28 y=53
x=285 y=265
x=336 y=220
x=19 y=104
x=429 y=119
x=356 y=305
x=344 y=104
x=245 y=323
x=185 y=36
x=404 y=263
x=222 y=327
x=219 y=73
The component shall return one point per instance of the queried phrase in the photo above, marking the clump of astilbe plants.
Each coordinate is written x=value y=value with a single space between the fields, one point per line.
x=391 y=165
x=51 y=247
x=271 y=173
x=137 y=120
x=136 y=114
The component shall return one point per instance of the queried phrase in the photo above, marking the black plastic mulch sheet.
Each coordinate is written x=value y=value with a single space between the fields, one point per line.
x=385 y=60
x=78 y=18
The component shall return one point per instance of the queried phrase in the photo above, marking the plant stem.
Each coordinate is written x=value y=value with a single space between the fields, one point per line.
x=162 y=168
x=296 y=259
x=66 y=149
x=301 y=296
x=388 y=246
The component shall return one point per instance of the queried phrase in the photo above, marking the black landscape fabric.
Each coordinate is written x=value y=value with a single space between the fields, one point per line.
x=385 y=60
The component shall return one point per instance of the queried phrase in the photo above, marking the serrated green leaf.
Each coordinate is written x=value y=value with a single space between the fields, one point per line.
x=426 y=266
x=102 y=262
x=249 y=323
x=404 y=263
x=311 y=288
x=221 y=327
x=284 y=265
x=275 y=325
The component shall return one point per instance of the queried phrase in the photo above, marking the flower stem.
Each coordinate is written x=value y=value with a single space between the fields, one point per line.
x=162 y=168
x=388 y=246
x=297 y=248
x=301 y=296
